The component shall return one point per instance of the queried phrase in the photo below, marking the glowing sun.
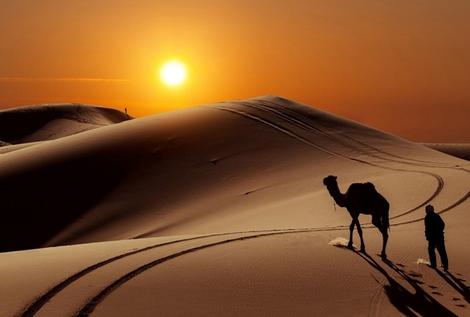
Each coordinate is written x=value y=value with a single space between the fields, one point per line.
x=173 y=73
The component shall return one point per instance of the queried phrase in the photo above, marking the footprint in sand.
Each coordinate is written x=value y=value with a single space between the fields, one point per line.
x=415 y=274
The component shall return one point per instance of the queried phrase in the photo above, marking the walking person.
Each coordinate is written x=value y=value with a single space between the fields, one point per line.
x=434 y=232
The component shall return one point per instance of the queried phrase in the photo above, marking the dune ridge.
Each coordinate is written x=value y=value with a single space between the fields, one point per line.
x=52 y=121
x=220 y=210
x=460 y=150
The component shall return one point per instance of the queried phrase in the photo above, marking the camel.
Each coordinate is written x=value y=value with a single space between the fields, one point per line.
x=361 y=199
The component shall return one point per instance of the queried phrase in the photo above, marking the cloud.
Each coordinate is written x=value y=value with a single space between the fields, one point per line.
x=64 y=79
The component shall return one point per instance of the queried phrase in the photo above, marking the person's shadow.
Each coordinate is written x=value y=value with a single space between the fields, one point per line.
x=418 y=303
x=456 y=283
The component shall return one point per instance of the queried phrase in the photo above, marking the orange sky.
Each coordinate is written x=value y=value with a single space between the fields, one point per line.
x=401 y=66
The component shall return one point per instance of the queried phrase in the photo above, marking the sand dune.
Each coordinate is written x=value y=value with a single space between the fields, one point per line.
x=221 y=210
x=48 y=122
x=460 y=150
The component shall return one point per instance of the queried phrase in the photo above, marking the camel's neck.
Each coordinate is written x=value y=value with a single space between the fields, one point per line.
x=339 y=197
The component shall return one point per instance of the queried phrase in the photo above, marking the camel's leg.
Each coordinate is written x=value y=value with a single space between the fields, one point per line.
x=351 y=229
x=384 y=231
x=359 y=230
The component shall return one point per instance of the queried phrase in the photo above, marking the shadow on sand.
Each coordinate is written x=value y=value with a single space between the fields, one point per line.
x=456 y=283
x=418 y=303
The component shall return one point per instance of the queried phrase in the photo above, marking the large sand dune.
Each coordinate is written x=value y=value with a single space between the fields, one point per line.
x=221 y=210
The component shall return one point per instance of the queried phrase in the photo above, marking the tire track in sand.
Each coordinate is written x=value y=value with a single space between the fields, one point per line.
x=44 y=298
x=303 y=119
x=290 y=133
x=90 y=306
x=290 y=116
x=92 y=303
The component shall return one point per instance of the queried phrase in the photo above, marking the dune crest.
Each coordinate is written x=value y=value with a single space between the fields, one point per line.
x=52 y=121
x=221 y=210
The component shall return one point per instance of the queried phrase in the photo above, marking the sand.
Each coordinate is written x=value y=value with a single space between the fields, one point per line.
x=220 y=210
x=460 y=150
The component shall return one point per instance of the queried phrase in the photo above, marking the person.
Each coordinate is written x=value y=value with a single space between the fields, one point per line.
x=434 y=232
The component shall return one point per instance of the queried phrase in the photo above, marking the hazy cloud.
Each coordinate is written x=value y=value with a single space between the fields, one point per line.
x=68 y=79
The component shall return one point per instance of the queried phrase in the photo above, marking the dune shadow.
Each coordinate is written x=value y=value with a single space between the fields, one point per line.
x=419 y=303
x=40 y=200
x=456 y=283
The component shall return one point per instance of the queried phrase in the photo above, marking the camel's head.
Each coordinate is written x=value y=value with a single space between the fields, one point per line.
x=329 y=180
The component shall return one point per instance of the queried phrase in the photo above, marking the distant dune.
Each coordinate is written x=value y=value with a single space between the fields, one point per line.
x=461 y=150
x=47 y=122
x=220 y=210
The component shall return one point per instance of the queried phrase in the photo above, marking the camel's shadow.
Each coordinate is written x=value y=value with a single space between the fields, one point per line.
x=419 y=303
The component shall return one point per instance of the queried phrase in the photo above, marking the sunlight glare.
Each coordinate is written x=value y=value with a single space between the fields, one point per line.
x=173 y=73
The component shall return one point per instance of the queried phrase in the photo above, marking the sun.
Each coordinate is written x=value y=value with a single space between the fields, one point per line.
x=173 y=73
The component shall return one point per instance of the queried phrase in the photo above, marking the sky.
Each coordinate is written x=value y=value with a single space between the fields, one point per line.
x=399 y=66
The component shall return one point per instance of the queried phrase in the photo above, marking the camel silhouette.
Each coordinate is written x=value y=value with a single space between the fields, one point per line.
x=361 y=199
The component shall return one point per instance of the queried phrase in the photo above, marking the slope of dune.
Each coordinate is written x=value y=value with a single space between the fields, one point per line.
x=221 y=210
x=460 y=150
x=52 y=121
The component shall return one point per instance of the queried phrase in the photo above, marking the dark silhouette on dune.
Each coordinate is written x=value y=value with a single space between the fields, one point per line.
x=457 y=284
x=361 y=199
x=40 y=201
x=419 y=303
x=434 y=232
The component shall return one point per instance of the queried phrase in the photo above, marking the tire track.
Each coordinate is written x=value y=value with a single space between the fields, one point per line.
x=91 y=304
x=42 y=300
x=376 y=298
x=306 y=126
x=438 y=178
x=448 y=208
x=457 y=203
x=292 y=117
x=47 y=296
x=294 y=114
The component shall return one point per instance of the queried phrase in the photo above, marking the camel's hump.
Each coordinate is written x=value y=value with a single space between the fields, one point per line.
x=361 y=188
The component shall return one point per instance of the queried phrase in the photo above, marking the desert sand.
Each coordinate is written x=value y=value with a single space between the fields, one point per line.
x=461 y=150
x=220 y=210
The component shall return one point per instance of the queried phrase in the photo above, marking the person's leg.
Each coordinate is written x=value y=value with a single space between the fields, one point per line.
x=441 y=248
x=432 y=253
